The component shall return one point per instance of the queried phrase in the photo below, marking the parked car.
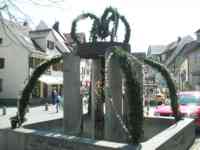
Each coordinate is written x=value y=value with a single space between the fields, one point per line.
x=189 y=106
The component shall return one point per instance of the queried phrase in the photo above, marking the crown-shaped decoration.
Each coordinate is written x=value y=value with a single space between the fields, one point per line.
x=103 y=27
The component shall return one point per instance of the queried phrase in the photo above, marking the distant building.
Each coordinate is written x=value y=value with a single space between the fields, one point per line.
x=175 y=60
x=191 y=53
x=171 y=56
x=154 y=52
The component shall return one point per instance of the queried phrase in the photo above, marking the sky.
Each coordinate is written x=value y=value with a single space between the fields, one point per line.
x=153 y=22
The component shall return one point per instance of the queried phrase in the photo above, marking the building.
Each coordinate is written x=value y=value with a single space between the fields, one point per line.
x=191 y=53
x=21 y=51
x=154 y=52
x=173 y=58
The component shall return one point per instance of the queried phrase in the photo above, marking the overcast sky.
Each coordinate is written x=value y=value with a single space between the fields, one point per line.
x=152 y=21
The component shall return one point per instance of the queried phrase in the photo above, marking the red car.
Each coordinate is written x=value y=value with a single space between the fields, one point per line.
x=189 y=106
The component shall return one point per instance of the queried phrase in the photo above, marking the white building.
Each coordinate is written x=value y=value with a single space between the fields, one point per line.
x=21 y=50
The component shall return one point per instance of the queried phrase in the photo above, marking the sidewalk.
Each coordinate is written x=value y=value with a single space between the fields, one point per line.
x=34 y=115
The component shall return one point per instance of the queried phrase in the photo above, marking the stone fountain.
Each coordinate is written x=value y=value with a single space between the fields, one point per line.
x=105 y=128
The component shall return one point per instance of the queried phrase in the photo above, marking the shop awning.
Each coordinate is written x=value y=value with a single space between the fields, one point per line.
x=49 y=79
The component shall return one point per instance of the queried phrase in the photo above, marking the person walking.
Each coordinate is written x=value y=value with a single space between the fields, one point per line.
x=58 y=99
x=54 y=96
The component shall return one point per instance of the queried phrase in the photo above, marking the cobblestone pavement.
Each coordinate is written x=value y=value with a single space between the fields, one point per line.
x=35 y=114
x=196 y=144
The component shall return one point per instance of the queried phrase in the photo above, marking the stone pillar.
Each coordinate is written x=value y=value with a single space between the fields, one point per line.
x=113 y=127
x=72 y=99
x=97 y=105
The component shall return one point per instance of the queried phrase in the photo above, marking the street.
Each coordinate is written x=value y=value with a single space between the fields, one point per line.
x=196 y=144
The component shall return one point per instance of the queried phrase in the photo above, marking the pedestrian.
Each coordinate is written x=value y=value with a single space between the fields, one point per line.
x=58 y=99
x=54 y=96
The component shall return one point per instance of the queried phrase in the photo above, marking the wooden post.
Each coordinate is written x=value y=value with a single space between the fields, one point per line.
x=4 y=111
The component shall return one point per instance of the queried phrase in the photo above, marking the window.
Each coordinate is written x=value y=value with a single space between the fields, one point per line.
x=2 y=63
x=36 y=90
x=55 y=67
x=50 y=44
x=58 y=67
x=1 y=85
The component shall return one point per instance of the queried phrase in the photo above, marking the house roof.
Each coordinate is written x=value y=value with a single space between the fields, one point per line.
x=41 y=30
x=34 y=34
x=179 y=48
x=27 y=38
x=190 y=47
x=24 y=40
x=59 y=41
x=61 y=47
x=155 y=50
x=19 y=34
x=197 y=31
x=170 y=47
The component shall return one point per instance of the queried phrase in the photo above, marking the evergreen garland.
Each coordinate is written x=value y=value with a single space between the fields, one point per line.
x=17 y=120
x=106 y=20
x=133 y=90
x=93 y=30
x=100 y=27
x=102 y=78
x=172 y=89
x=134 y=93
x=128 y=29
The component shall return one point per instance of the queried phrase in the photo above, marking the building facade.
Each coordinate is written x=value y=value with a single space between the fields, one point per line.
x=21 y=51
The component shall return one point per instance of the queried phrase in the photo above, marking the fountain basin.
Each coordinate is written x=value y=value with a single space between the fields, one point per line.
x=159 y=134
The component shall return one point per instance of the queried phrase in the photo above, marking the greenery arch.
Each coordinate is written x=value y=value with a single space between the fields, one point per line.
x=170 y=84
x=127 y=62
x=17 y=120
x=133 y=88
x=93 y=30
